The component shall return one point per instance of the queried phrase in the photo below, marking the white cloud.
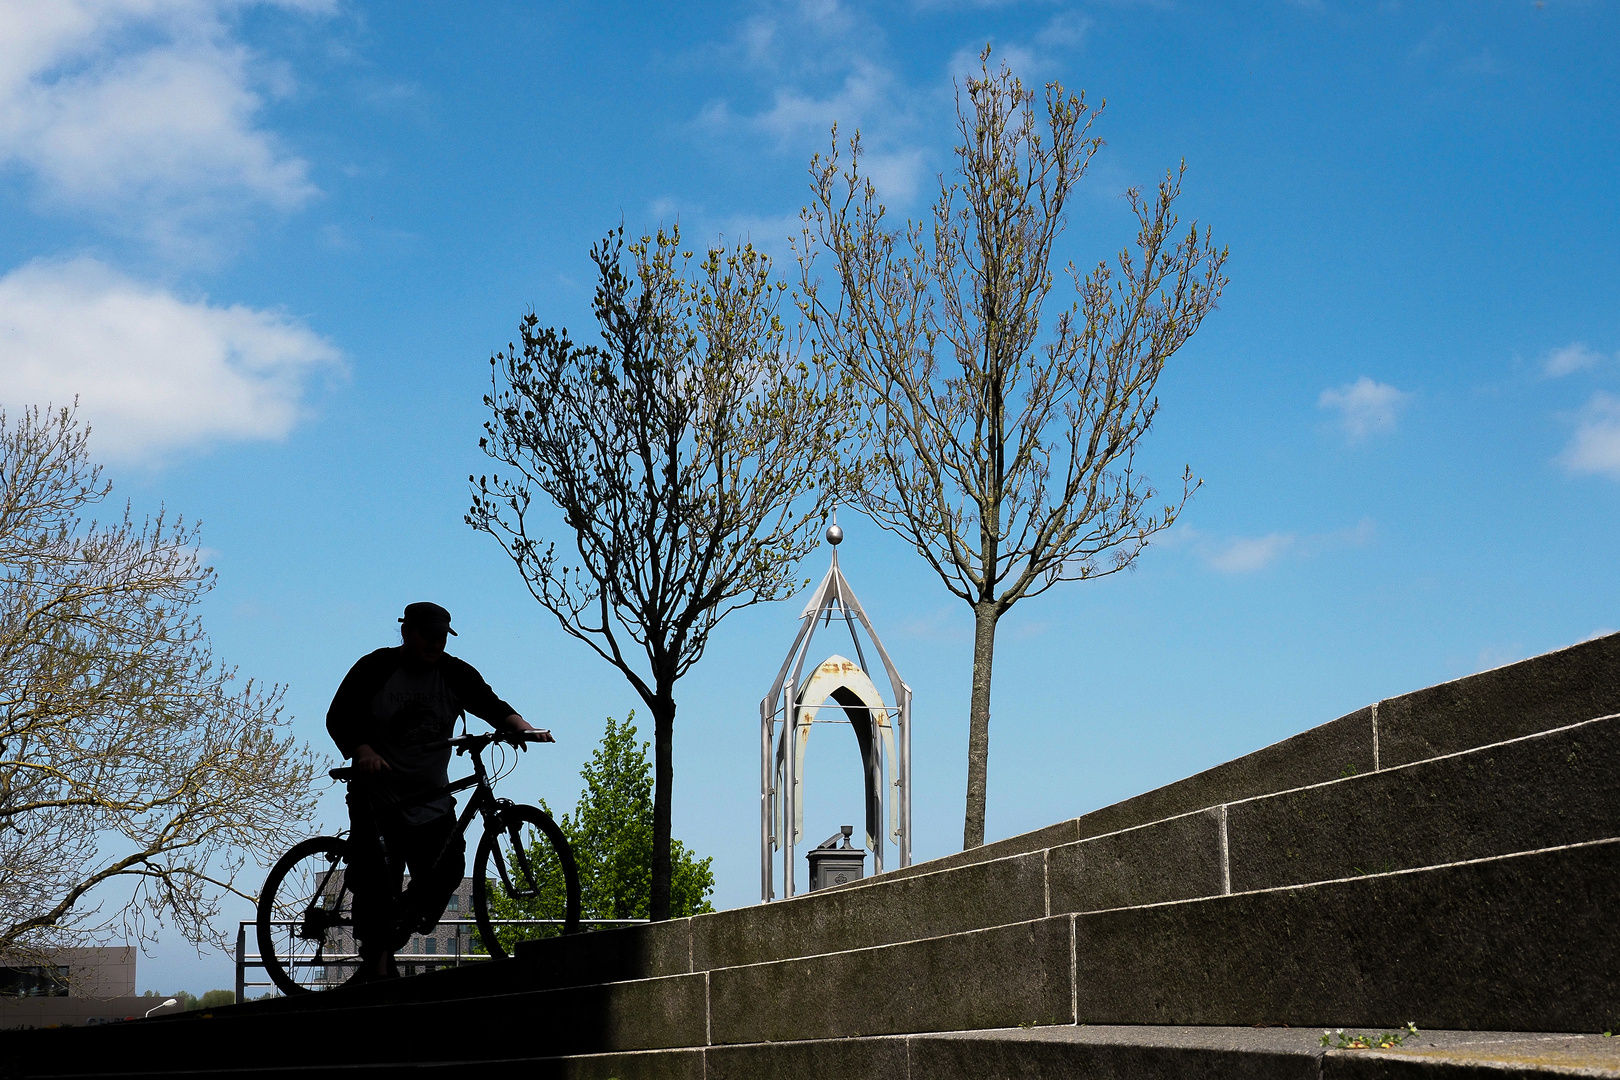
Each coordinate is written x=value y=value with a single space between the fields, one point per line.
x=1065 y=30
x=1568 y=360
x=772 y=235
x=824 y=62
x=1361 y=534
x=142 y=112
x=867 y=100
x=1595 y=447
x=154 y=373
x=944 y=623
x=1364 y=406
x=865 y=88
x=1029 y=62
x=1248 y=554
x=1045 y=56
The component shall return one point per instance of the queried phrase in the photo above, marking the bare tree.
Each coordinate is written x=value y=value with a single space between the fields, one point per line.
x=677 y=450
x=1002 y=446
x=129 y=758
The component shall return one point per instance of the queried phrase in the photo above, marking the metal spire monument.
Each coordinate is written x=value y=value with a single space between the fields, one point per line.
x=794 y=704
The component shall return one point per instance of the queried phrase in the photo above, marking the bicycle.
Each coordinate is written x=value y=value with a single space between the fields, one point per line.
x=306 y=899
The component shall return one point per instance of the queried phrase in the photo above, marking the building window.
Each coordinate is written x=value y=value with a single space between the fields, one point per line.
x=432 y=946
x=34 y=981
x=455 y=902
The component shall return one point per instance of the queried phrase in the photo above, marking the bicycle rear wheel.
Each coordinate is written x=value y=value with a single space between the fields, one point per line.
x=306 y=918
x=526 y=868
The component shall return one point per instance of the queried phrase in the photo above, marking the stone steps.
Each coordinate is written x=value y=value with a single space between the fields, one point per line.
x=1476 y=804
x=1446 y=946
x=1450 y=857
x=1096 y=1052
x=1550 y=691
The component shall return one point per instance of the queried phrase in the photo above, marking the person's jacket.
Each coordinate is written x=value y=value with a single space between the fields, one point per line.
x=352 y=721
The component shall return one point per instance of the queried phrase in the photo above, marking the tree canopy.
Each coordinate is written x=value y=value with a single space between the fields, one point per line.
x=1002 y=436
x=130 y=758
x=678 y=451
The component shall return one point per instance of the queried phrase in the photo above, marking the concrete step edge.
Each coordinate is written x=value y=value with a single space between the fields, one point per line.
x=1407 y=872
x=1596 y=665
x=1359 y=877
x=1472 y=1054
x=872 y=949
x=369 y=1005
x=1383 y=772
x=1284 y=1052
x=917 y=870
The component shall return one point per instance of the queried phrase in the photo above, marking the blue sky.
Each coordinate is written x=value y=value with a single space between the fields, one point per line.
x=271 y=247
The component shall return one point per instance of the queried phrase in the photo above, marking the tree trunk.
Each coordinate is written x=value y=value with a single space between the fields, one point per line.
x=663 y=780
x=985 y=614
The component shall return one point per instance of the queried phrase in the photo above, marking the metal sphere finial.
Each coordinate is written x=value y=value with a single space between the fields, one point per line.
x=835 y=535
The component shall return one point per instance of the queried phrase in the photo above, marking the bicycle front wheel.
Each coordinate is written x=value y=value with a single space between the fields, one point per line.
x=525 y=869
x=306 y=918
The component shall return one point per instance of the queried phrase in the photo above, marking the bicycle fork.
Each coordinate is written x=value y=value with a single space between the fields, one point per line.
x=497 y=821
x=318 y=919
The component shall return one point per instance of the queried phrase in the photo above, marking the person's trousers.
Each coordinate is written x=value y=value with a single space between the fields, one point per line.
x=382 y=846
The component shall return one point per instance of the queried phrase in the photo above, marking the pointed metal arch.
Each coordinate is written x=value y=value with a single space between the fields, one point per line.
x=786 y=711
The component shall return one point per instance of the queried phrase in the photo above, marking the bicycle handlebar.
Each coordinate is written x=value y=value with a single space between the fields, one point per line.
x=462 y=744
x=469 y=742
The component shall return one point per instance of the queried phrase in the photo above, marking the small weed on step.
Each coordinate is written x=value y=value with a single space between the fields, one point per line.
x=1388 y=1040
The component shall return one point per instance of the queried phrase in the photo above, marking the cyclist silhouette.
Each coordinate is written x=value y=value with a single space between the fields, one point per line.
x=392 y=714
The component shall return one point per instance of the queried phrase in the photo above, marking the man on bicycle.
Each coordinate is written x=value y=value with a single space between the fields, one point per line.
x=390 y=713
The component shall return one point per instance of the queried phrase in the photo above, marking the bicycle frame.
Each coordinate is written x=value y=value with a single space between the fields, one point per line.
x=483 y=803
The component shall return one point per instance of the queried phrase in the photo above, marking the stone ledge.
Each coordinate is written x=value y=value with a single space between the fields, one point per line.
x=1320 y=754
x=619 y=954
x=1099 y=1052
x=1001 y=977
x=1545 y=790
x=1064 y=832
x=1550 y=789
x=1216 y=1053
x=1555 y=689
x=1120 y=1053
x=874 y=912
x=1495 y=1055
x=1552 y=690
x=1519 y=942
x=880 y=1057
x=685 y=1064
x=1177 y=859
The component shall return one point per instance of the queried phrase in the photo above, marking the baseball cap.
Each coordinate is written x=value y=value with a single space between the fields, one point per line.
x=427 y=616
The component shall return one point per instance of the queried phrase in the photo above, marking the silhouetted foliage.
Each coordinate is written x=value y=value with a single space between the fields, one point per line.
x=611 y=835
x=678 y=451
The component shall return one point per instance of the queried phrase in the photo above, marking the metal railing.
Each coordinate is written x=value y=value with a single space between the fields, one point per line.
x=433 y=960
